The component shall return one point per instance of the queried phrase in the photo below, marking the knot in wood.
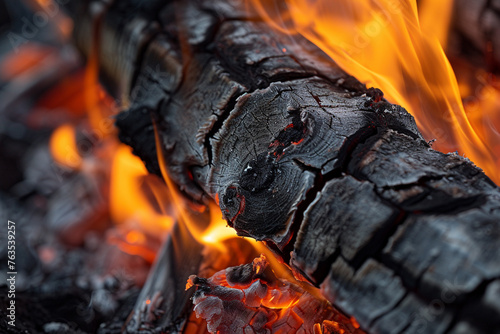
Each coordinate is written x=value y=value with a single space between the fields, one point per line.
x=232 y=204
x=258 y=174
x=294 y=133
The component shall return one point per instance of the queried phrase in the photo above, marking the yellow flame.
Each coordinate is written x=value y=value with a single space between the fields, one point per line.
x=482 y=105
x=435 y=18
x=135 y=237
x=94 y=94
x=128 y=202
x=216 y=232
x=386 y=44
x=63 y=147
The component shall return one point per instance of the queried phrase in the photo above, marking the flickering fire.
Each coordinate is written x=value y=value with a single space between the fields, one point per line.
x=264 y=303
x=387 y=44
x=143 y=208
x=481 y=103
x=63 y=147
x=399 y=48
x=137 y=206
x=129 y=203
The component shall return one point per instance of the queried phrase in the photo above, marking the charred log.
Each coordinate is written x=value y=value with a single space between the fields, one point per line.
x=301 y=155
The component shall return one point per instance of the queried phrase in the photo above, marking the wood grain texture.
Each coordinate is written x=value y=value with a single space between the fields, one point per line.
x=336 y=180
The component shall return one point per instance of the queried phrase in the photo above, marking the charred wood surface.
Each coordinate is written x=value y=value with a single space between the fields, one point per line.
x=334 y=179
x=163 y=304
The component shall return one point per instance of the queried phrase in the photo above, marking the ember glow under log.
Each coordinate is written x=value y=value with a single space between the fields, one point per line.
x=250 y=299
x=335 y=179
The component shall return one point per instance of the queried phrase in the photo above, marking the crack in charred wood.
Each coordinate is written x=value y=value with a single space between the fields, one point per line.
x=376 y=115
x=440 y=202
x=421 y=182
x=469 y=303
x=400 y=270
x=260 y=81
x=432 y=200
x=398 y=304
x=344 y=156
x=220 y=21
x=470 y=173
x=218 y=125
x=473 y=300
x=230 y=108
x=405 y=274
x=458 y=205
x=381 y=237
x=239 y=72
x=320 y=181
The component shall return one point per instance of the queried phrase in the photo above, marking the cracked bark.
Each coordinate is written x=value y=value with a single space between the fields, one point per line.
x=335 y=179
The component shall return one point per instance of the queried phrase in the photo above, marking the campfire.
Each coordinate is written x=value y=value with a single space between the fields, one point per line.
x=249 y=166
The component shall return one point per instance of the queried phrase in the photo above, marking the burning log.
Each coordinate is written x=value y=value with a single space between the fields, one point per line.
x=335 y=179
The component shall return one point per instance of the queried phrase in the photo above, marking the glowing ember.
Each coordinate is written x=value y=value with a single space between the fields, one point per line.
x=251 y=299
x=30 y=58
x=389 y=44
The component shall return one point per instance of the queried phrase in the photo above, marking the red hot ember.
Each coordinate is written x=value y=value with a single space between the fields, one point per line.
x=251 y=299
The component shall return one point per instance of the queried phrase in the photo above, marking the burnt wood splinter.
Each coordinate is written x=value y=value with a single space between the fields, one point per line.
x=336 y=180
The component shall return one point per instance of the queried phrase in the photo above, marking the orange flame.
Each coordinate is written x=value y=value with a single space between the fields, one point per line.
x=63 y=147
x=129 y=205
x=482 y=103
x=389 y=44
x=136 y=198
x=212 y=235
x=218 y=230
